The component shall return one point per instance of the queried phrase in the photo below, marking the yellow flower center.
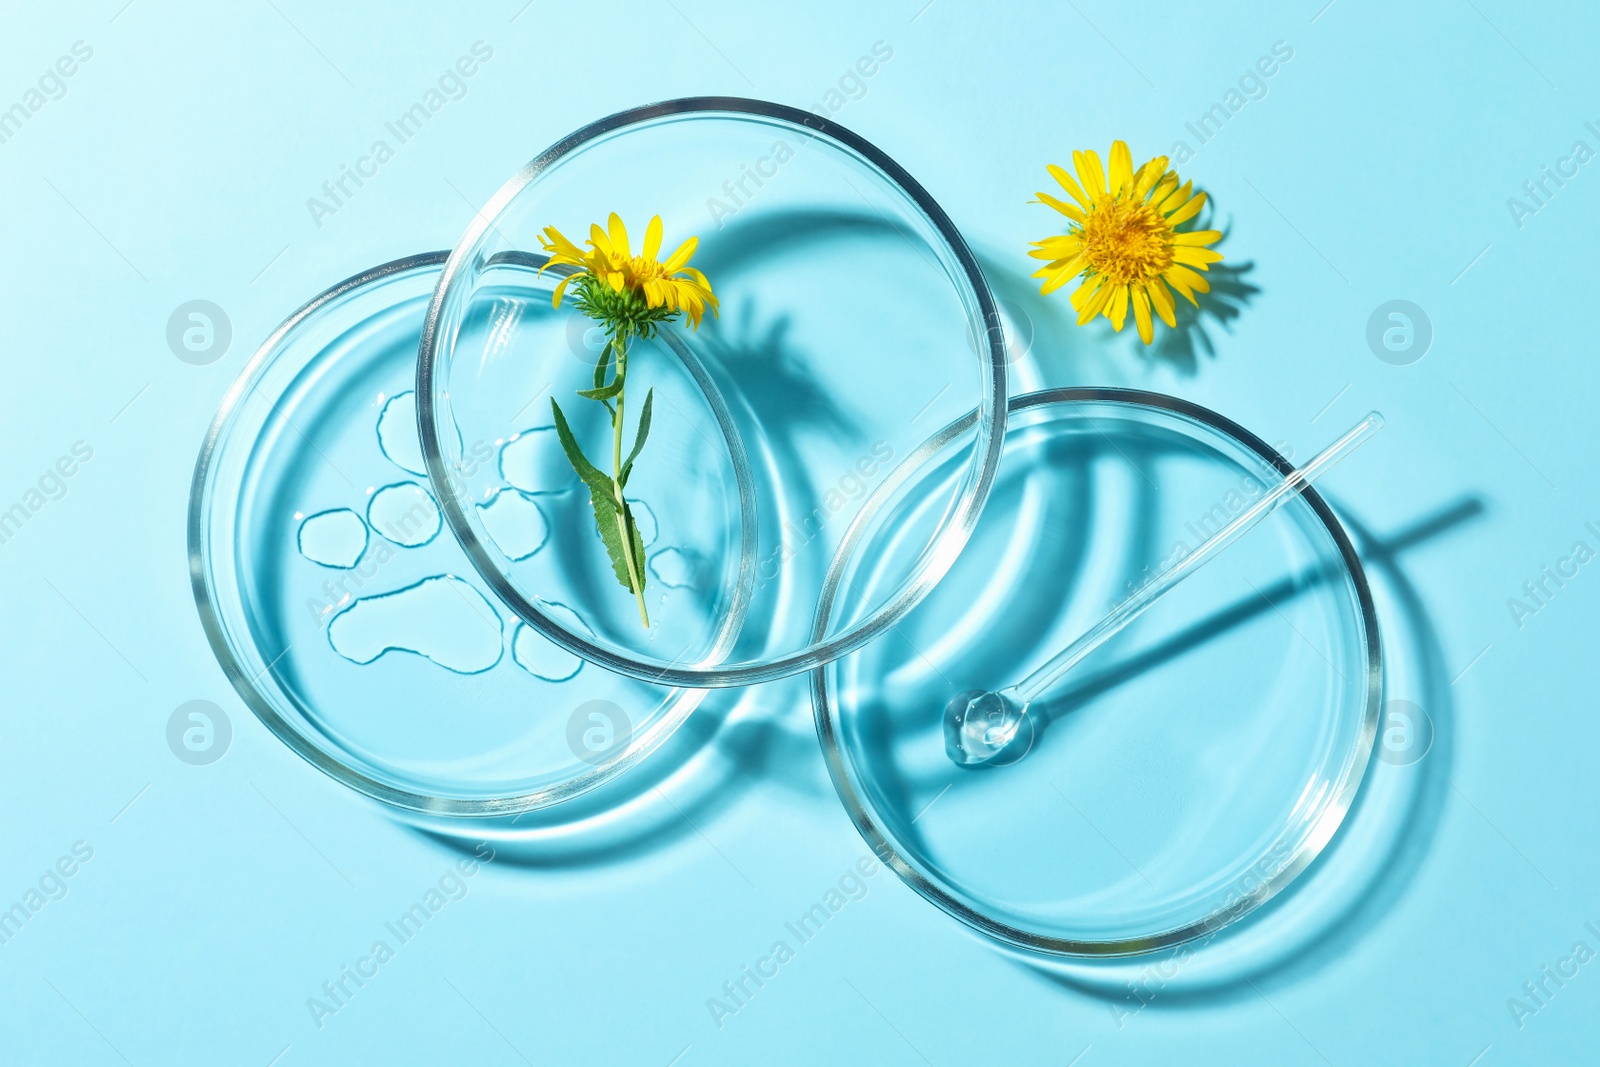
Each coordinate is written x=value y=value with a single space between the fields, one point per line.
x=643 y=270
x=1127 y=240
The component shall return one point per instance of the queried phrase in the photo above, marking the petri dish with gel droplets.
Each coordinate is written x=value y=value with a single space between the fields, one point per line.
x=351 y=622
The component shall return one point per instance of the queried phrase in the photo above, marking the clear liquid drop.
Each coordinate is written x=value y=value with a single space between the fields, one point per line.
x=983 y=727
x=673 y=568
x=532 y=462
x=515 y=524
x=443 y=619
x=540 y=656
x=405 y=513
x=397 y=433
x=334 y=538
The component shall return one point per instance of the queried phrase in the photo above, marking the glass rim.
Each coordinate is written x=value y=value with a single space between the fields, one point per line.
x=1351 y=774
x=961 y=516
x=247 y=686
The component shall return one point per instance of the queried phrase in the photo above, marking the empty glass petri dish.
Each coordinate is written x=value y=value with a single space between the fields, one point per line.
x=1188 y=770
x=345 y=617
x=854 y=321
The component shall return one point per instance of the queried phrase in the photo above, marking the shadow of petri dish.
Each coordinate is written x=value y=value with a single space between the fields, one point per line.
x=1385 y=839
x=1184 y=774
x=737 y=740
x=400 y=675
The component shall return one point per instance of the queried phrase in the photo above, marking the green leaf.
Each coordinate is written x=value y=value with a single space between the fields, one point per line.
x=638 y=440
x=592 y=476
x=602 y=498
x=605 y=518
x=602 y=391
x=638 y=544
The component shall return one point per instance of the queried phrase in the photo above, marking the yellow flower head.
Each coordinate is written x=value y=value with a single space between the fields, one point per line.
x=1125 y=240
x=645 y=290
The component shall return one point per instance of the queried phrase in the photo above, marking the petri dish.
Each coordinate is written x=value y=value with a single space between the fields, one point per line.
x=1187 y=771
x=345 y=617
x=854 y=320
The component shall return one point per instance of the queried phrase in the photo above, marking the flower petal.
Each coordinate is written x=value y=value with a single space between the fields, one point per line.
x=1174 y=198
x=1065 y=181
x=692 y=305
x=1186 y=282
x=1066 y=209
x=1057 y=276
x=1161 y=300
x=1089 y=172
x=1057 y=247
x=1082 y=294
x=652 y=238
x=1057 y=263
x=678 y=259
x=619 y=236
x=1096 y=303
x=1197 y=237
x=1141 y=315
x=696 y=277
x=555 y=241
x=1195 y=257
x=1118 y=311
x=1189 y=210
x=1121 y=168
x=561 y=287
x=1149 y=175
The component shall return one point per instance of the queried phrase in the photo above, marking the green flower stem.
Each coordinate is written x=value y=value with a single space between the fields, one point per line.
x=619 y=344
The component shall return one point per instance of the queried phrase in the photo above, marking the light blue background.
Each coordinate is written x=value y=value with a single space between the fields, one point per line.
x=1378 y=166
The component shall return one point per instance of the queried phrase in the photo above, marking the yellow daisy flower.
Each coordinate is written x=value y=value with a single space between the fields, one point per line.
x=1125 y=240
x=630 y=297
x=672 y=285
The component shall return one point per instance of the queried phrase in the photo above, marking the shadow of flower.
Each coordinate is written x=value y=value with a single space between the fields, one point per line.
x=1182 y=347
x=1231 y=292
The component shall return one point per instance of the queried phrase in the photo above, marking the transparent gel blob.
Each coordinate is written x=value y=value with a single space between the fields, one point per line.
x=404 y=513
x=442 y=618
x=333 y=538
x=515 y=523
